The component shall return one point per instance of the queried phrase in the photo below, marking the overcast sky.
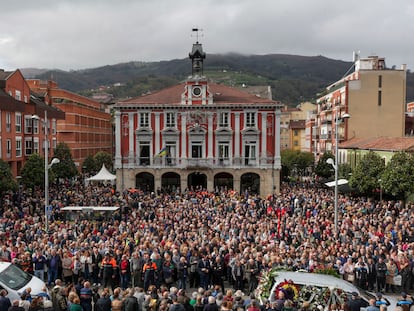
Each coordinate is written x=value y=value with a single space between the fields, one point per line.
x=78 y=34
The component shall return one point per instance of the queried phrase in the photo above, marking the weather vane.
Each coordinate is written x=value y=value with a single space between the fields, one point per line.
x=197 y=32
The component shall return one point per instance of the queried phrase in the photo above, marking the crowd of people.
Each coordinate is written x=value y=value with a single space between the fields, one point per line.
x=214 y=241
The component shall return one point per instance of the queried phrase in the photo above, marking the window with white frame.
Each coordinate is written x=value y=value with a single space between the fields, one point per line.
x=223 y=150
x=18 y=95
x=28 y=125
x=54 y=143
x=28 y=146
x=8 y=148
x=224 y=119
x=250 y=153
x=18 y=122
x=170 y=119
x=144 y=119
x=54 y=127
x=250 y=119
x=36 y=145
x=18 y=146
x=35 y=126
x=197 y=149
x=8 y=121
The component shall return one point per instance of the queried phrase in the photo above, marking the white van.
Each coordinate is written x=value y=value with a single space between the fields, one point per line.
x=15 y=281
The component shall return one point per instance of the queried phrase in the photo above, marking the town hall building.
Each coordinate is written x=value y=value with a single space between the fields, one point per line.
x=198 y=135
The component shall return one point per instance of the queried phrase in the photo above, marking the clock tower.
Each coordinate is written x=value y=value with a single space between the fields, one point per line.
x=197 y=56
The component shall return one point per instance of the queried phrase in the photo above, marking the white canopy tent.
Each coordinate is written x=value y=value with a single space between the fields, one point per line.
x=340 y=183
x=103 y=175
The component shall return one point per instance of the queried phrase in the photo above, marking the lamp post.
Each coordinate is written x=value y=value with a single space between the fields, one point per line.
x=334 y=163
x=47 y=167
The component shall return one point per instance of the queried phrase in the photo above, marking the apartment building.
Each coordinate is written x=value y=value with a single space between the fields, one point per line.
x=373 y=97
x=86 y=128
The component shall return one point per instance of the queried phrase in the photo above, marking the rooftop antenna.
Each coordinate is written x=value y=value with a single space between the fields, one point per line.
x=197 y=32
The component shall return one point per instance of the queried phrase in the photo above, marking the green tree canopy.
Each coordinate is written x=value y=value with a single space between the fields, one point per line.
x=295 y=159
x=324 y=169
x=33 y=172
x=366 y=175
x=102 y=157
x=66 y=168
x=398 y=176
x=7 y=182
x=89 y=165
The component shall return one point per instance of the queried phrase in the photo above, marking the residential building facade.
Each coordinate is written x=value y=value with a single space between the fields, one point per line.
x=22 y=131
x=373 y=96
x=198 y=135
x=87 y=127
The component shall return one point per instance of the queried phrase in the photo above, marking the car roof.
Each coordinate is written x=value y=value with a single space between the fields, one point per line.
x=4 y=265
x=315 y=279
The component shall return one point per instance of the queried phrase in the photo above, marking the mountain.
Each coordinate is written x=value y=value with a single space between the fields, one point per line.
x=293 y=78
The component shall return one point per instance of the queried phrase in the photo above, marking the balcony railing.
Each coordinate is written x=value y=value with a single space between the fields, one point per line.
x=326 y=136
x=195 y=163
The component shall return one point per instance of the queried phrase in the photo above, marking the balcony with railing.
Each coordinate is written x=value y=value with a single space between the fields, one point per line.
x=326 y=136
x=195 y=163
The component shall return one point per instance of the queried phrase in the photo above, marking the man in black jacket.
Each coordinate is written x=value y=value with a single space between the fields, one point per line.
x=381 y=268
x=4 y=301
x=104 y=302
x=130 y=303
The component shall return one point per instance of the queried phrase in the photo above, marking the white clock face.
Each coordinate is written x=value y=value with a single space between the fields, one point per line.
x=196 y=91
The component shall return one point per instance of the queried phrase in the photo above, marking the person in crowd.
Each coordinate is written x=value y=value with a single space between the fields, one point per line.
x=86 y=295
x=39 y=262
x=392 y=271
x=182 y=273
x=125 y=271
x=15 y=306
x=372 y=305
x=130 y=302
x=104 y=302
x=150 y=273
x=405 y=302
x=116 y=298
x=108 y=268
x=53 y=264
x=382 y=269
x=356 y=302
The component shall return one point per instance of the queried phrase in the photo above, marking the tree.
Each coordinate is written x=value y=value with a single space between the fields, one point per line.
x=7 y=182
x=296 y=160
x=366 y=175
x=89 y=165
x=398 y=176
x=66 y=168
x=324 y=169
x=102 y=157
x=33 y=172
x=345 y=170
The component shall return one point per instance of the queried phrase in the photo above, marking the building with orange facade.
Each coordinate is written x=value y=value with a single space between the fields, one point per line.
x=87 y=127
x=198 y=135
x=21 y=133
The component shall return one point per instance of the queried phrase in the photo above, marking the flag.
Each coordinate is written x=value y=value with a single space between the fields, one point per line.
x=163 y=152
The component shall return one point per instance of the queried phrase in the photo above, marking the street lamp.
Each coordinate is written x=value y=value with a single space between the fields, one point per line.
x=334 y=163
x=47 y=167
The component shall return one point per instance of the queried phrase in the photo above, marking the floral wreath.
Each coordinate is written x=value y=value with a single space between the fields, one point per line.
x=289 y=288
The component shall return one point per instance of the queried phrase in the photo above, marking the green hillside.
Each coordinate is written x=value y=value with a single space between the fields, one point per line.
x=293 y=79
